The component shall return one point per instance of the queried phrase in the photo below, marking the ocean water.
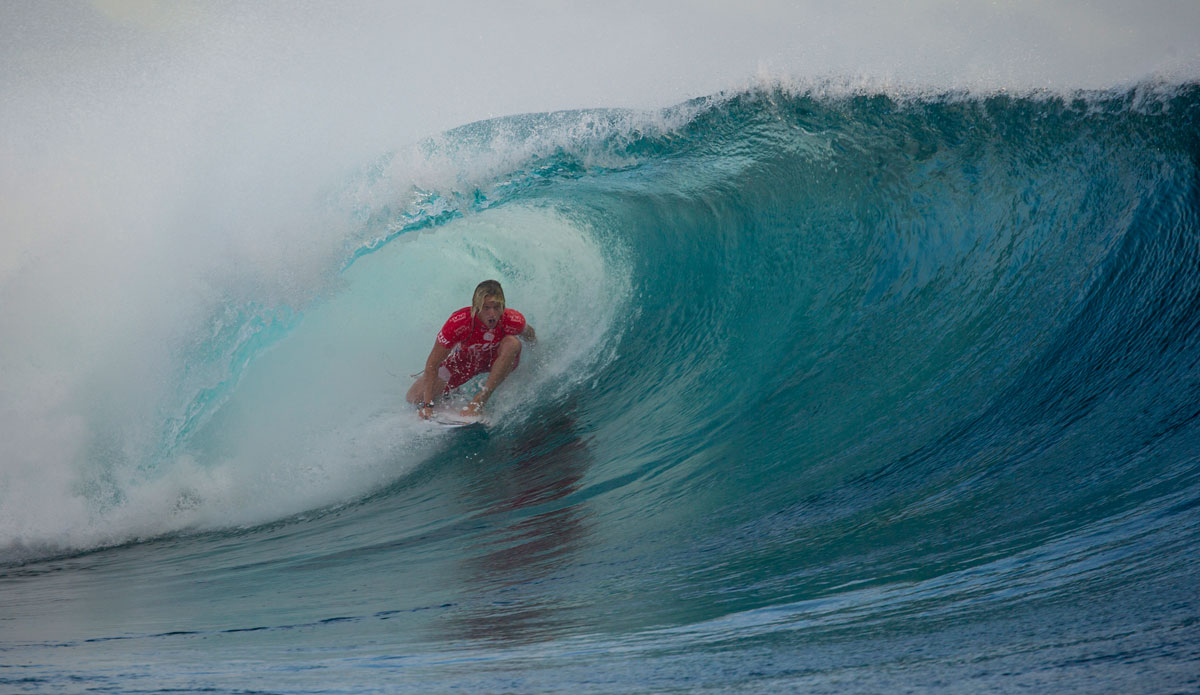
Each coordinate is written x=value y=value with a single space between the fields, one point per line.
x=833 y=394
x=838 y=389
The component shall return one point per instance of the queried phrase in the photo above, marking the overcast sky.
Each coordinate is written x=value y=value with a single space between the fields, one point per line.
x=429 y=65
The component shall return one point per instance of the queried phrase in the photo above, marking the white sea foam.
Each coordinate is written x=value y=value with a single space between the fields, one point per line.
x=318 y=418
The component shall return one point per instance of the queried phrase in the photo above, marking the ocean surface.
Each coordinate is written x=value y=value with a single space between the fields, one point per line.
x=836 y=391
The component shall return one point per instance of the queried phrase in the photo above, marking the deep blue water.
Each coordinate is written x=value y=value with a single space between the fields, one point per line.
x=847 y=394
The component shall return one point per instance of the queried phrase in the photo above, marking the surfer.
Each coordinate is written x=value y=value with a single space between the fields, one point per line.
x=479 y=338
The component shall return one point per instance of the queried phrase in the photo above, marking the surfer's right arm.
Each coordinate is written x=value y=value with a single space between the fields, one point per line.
x=424 y=389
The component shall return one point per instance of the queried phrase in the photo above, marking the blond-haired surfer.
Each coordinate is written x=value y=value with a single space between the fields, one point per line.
x=479 y=338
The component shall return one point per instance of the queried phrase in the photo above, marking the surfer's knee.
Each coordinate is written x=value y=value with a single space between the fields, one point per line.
x=510 y=344
x=415 y=391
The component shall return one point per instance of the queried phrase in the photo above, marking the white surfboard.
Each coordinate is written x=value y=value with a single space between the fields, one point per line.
x=456 y=424
x=450 y=417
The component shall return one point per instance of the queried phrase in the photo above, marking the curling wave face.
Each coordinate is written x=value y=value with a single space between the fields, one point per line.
x=811 y=367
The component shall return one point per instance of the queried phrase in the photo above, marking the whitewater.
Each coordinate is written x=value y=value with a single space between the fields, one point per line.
x=868 y=358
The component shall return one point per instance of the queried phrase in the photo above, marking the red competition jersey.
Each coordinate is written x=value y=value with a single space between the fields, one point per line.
x=475 y=342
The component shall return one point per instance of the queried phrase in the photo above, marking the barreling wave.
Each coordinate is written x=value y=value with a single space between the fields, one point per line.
x=807 y=360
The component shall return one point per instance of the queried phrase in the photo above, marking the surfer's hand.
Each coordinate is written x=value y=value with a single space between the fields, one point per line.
x=425 y=412
x=472 y=409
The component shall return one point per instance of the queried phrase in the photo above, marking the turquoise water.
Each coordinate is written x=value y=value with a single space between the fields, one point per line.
x=832 y=394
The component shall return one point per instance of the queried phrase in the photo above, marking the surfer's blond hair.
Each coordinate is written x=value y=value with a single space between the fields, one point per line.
x=484 y=290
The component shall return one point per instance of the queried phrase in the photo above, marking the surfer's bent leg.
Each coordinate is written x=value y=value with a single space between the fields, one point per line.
x=416 y=393
x=507 y=358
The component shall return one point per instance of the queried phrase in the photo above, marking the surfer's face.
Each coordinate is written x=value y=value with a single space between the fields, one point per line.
x=490 y=312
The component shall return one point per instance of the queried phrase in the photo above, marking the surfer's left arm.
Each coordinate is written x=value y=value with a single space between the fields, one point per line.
x=528 y=335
